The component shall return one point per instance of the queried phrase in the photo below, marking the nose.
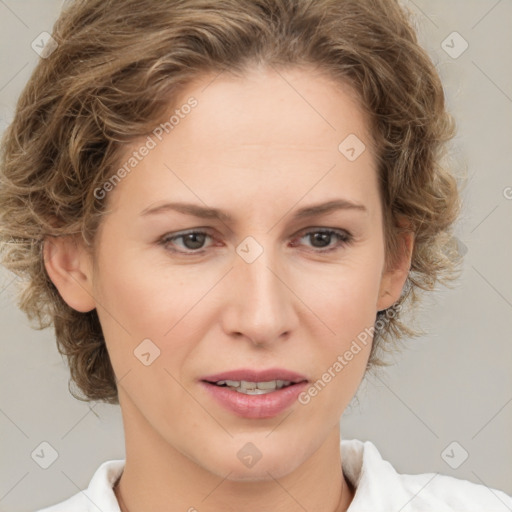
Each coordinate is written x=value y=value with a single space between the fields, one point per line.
x=259 y=302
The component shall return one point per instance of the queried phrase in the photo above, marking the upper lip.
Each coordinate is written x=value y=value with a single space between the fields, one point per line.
x=251 y=375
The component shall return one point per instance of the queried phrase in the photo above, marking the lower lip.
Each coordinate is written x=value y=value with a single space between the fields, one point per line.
x=255 y=406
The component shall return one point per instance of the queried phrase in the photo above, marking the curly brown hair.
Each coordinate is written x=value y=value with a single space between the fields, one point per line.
x=117 y=66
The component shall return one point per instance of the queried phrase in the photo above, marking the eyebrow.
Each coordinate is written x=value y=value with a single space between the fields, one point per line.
x=214 y=213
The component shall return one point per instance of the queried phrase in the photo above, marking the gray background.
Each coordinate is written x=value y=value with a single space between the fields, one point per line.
x=453 y=384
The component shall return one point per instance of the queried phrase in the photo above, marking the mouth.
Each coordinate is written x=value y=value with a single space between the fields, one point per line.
x=255 y=394
x=253 y=388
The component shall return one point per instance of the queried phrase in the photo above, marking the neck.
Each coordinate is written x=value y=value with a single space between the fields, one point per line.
x=346 y=497
x=159 y=477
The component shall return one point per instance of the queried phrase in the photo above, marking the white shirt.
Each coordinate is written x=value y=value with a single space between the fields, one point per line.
x=379 y=488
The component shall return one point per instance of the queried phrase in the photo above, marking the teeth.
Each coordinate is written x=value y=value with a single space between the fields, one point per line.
x=272 y=384
x=254 y=388
x=248 y=386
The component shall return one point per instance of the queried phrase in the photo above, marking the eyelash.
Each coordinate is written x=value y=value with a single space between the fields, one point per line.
x=344 y=238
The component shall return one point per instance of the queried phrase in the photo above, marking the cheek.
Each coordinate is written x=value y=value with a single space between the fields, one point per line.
x=350 y=317
x=137 y=306
x=345 y=301
x=341 y=354
x=171 y=309
x=344 y=296
x=136 y=294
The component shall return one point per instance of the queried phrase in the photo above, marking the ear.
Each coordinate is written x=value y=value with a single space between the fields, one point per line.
x=393 y=279
x=69 y=267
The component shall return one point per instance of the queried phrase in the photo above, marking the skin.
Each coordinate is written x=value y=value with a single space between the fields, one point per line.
x=256 y=149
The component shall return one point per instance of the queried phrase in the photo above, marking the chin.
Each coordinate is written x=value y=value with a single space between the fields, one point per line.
x=249 y=464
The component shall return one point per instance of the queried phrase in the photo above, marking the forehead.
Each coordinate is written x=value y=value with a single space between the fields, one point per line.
x=270 y=107
x=270 y=131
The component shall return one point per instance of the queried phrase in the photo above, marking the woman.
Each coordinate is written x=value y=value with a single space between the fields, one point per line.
x=223 y=207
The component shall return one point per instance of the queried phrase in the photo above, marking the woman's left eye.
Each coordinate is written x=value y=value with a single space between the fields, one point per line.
x=325 y=236
x=193 y=241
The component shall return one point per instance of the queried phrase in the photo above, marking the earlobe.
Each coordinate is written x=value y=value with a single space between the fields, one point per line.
x=68 y=266
x=393 y=280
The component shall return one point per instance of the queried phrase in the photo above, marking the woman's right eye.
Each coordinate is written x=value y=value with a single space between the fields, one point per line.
x=193 y=241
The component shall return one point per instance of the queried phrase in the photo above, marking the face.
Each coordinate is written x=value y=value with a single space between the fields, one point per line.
x=268 y=289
